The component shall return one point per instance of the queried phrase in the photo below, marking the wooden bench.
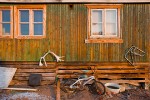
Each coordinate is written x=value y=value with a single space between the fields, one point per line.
x=107 y=72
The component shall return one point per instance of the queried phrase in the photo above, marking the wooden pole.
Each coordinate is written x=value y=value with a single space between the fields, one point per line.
x=58 y=90
x=147 y=83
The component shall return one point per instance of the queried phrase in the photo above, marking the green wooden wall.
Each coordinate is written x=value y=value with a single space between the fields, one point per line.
x=66 y=31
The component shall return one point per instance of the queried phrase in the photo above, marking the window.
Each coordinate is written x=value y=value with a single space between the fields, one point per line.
x=6 y=22
x=31 y=21
x=104 y=24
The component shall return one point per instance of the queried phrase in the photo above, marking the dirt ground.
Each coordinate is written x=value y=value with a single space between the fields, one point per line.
x=43 y=93
x=48 y=92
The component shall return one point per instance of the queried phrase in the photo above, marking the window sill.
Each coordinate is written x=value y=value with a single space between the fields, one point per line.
x=30 y=37
x=109 y=40
x=6 y=37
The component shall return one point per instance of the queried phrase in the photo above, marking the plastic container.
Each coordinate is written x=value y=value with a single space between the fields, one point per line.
x=113 y=87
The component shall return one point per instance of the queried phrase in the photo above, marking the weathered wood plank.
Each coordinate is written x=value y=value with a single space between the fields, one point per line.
x=20 y=89
x=103 y=71
x=18 y=82
x=43 y=74
x=36 y=70
x=29 y=66
x=24 y=62
x=102 y=67
x=75 y=1
x=122 y=81
x=109 y=76
x=27 y=78
x=73 y=63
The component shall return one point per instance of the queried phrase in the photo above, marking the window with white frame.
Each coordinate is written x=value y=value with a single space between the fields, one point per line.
x=6 y=22
x=104 y=24
x=31 y=22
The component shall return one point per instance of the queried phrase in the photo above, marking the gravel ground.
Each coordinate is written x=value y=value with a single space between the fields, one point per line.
x=48 y=93
x=42 y=93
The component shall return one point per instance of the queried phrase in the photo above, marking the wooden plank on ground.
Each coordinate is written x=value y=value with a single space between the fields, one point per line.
x=20 y=89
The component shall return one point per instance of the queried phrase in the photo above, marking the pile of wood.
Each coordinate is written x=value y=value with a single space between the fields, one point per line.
x=24 y=69
x=106 y=73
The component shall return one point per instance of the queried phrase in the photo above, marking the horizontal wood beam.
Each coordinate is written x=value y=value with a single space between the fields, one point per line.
x=110 y=76
x=25 y=82
x=102 y=71
x=102 y=67
x=27 y=78
x=123 y=81
x=74 y=1
x=43 y=74
x=36 y=70
x=72 y=63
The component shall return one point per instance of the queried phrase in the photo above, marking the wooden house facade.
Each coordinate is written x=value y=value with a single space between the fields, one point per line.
x=65 y=28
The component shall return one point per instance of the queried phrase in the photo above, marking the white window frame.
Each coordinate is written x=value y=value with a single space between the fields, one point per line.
x=31 y=8
x=103 y=38
x=11 y=21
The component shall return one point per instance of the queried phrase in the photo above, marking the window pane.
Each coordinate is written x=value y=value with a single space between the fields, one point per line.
x=24 y=29
x=38 y=16
x=24 y=15
x=5 y=15
x=38 y=29
x=96 y=16
x=111 y=16
x=6 y=29
x=111 y=29
x=96 y=29
x=111 y=22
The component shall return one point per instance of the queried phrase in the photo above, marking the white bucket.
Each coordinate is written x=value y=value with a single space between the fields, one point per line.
x=113 y=87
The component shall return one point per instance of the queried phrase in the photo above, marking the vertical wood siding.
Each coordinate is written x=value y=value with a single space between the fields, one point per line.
x=66 y=31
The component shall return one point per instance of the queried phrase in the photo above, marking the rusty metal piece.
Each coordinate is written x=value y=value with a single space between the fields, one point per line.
x=133 y=51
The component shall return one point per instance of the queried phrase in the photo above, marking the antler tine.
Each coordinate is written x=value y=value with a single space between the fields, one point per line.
x=58 y=58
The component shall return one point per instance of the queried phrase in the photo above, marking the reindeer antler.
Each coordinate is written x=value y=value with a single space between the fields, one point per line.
x=58 y=58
